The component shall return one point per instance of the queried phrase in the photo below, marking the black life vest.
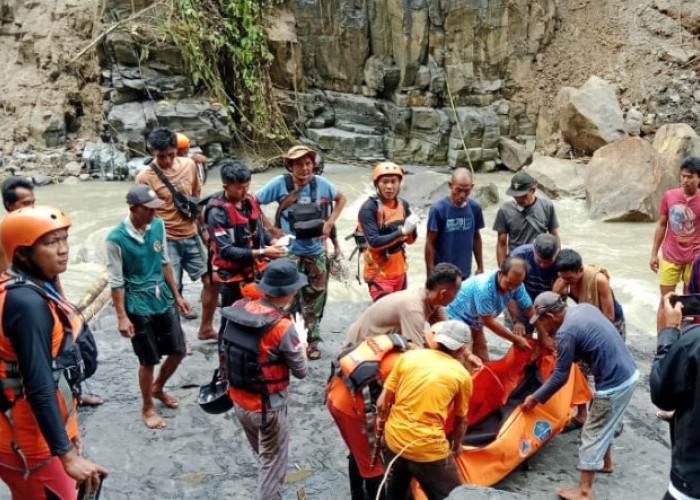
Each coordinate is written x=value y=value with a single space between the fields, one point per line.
x=306 y=220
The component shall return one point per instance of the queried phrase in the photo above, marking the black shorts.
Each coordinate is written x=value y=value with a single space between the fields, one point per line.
x=157 y=335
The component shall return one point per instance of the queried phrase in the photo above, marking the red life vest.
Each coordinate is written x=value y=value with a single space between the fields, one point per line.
x=246 y=231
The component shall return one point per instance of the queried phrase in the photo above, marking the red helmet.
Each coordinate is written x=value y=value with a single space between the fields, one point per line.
x=23 y=227
x=386 y=168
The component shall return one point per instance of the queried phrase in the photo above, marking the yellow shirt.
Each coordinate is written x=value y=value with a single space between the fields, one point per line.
x=425 y=382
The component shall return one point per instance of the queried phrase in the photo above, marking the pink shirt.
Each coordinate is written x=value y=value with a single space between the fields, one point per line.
x=682 y=240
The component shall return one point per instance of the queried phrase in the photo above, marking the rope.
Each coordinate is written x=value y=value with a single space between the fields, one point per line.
x=459 y=127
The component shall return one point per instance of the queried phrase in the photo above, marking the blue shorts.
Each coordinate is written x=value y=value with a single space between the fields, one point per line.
x=187 y=255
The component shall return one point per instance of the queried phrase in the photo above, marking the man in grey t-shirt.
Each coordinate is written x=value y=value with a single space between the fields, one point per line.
x=519 y=222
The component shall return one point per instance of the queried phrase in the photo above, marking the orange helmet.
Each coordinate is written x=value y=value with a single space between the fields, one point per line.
x=183 y=141
x=386 y=168
x=23 y=227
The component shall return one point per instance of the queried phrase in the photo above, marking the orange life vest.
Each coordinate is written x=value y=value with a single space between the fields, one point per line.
x=389 y=260
x=18 y=427
x=252 y=330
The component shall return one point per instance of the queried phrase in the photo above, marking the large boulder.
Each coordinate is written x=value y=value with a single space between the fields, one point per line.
x=625 y=181
x=674 y=142
x=590 y=117
x=558 y=178
x=513 y=154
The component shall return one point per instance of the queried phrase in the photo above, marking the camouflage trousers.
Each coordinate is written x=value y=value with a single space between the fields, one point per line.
x=311 y=300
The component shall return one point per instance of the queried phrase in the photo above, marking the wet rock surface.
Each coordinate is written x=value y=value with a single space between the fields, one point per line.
x=201 y=456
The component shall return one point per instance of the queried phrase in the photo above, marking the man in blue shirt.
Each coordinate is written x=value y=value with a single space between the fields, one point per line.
x=582 y=333
x=308 y=207
x=542 y=273
x=483 y=297
x=453 y=227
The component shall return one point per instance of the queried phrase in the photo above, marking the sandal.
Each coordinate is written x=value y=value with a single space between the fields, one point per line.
x=313 y=352
x=573 y=425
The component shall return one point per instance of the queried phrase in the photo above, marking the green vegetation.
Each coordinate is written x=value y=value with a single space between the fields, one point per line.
x=224 y=45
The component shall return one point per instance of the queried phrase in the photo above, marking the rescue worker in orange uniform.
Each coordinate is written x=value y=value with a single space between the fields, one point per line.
x=387 y=224
x=362 y=369
x=261 y=348
x=40 y=347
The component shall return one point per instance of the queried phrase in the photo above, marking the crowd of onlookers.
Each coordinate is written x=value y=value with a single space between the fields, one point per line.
x=401 y=379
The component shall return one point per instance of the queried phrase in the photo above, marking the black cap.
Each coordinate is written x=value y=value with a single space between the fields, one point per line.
x=281 y=278
x=547 y=302
x=520 y=184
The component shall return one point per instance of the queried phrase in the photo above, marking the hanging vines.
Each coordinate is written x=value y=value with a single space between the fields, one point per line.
x=225 y=48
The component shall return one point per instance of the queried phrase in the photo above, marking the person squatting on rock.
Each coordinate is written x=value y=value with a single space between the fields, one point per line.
x=483 y=297
x=519 y=222
x=40 y=444
x=305 y=210
x=582 y=333
x=454 y=225
x=406 y=312
x=388 y=225
x=240 y=245
x=673 y=382
x=185 y=248
x=415 y=401
x=259 y=333
x=145 y=297
x=677 y=232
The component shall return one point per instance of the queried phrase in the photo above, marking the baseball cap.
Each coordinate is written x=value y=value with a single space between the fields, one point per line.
x=547 y=302
x=520 y=184
x=453 y=334
x=141 y=194
x=546 y=246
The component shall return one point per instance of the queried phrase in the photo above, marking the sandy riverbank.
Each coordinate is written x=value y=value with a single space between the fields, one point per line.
x=201 y=456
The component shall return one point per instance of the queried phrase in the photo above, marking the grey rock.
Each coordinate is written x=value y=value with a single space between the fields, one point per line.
x=121 y=48
x=558 y=178
x=677 y=55
x=513 y=154
x=136 y=165
x=84 y=177
x=674 y=142
x=71 y=180
x=41 y=180
x=633 y=121
x=609 y=193
x=73 y=168
x=471 y=492
x=590 y=117
x=486 y=194
x=105 y=160
x=214 y=151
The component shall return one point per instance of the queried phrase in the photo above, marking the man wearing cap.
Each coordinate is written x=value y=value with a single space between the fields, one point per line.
x=306 y=210
x=280 y=351
x=582 y=333
x=541 y=275
x=185 y=248
x=454 y=225
x=519 y=222
x=483 y=297
x=415 y=402
x=145 y=296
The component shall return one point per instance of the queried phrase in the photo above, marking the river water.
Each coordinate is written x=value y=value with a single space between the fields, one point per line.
x=623 y=248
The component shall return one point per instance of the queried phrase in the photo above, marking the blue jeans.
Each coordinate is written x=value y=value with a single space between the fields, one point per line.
x=604 y=415
x=187 y=254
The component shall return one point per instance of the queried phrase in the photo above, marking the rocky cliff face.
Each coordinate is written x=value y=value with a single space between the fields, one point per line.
x=434 y=75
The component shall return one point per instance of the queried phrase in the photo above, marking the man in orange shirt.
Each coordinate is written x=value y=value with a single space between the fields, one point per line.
x=185 y=249
x=415 y=402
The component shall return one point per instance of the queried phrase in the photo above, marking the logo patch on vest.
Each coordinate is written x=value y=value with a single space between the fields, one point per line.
x=542 y=430
x=157 y=246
